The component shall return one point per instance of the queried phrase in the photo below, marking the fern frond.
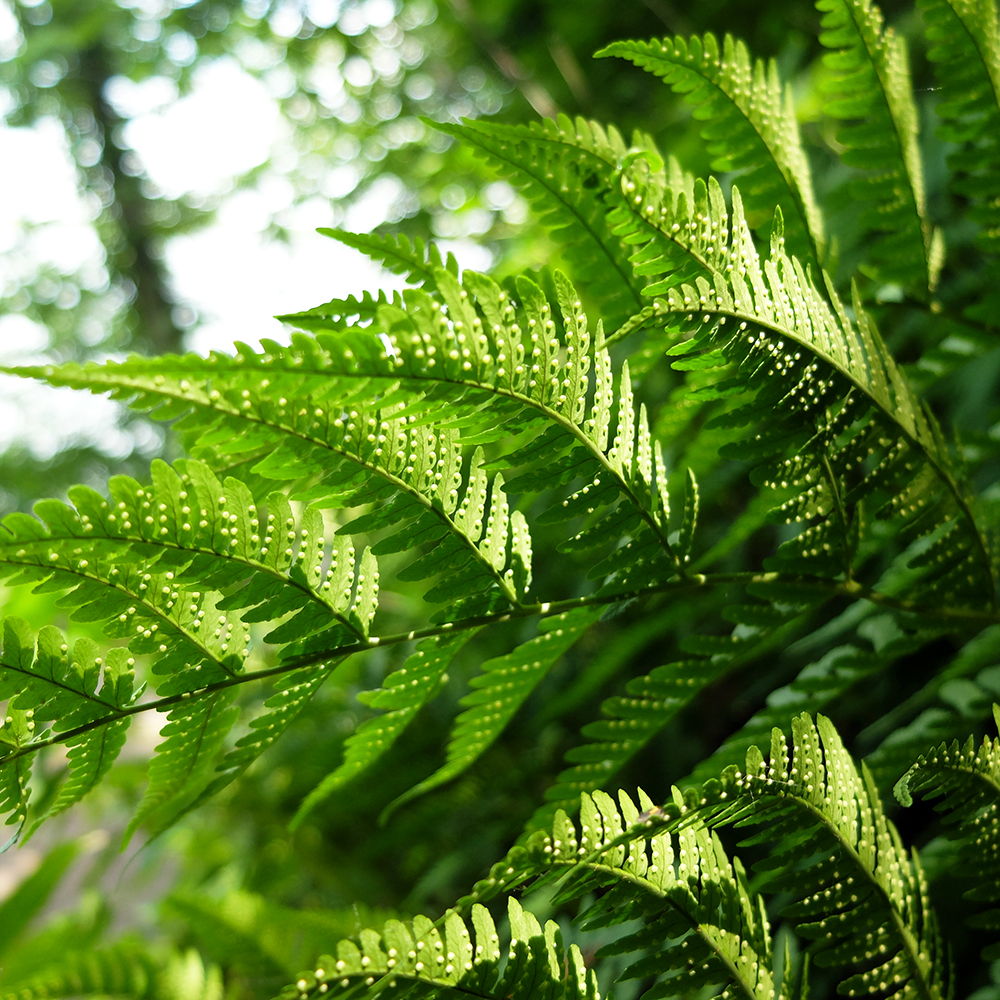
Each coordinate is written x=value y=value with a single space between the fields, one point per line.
x=423 y=959
x=968 y=779
x=650 y=702
x=870 y=88
x=418 y=261
x=965 y=50
x=814 y=383
x=403 y=694
x=567 y=170
x=192 y=737
x=353 y=457
x=44 y=682
x=447 y=360
x=750 y=127
x=120 y=971
x=502 y=687
x=339 y=314
x=700 y=927
x=838 y=855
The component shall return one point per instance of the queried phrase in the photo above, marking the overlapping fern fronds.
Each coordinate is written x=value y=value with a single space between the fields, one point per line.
x=423 y=958
x=749 y=126
x=871 y=90
x=966 y=777
x=858 y=895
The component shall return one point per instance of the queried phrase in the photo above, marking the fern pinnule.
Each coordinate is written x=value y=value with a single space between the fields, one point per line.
x=870 y=88
x=418 y=261
x=749 y=125
x=340 y=314
x=499 y=691
x=649 y=703
x=402 y=695
x=967 y=780
x=421 y=958
x=965 y=51
x=567 y=170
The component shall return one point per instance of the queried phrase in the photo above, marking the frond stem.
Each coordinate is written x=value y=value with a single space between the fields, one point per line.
x=844 y=588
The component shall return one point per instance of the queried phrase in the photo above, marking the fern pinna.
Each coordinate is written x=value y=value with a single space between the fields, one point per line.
x=677 y=478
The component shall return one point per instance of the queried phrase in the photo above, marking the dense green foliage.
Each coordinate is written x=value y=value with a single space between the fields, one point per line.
x=695 y=506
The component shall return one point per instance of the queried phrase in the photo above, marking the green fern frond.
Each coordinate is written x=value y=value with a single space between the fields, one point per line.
x=502 y=687
x=338 y=314
x=631 y=720
x=121 y=971
x=968 y=779
x=418 y=261
x=403 y=694
x=750 y=127
x=836 y=853
x=965 y=50
x=870 y=88
x=811 y=381
x=700 y=927
x=192 y=737
x=423 y=959
x=45 y=683
x=567 y=170
x=364 y=454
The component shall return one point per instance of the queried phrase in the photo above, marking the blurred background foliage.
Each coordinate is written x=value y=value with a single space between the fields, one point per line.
x=230 y=903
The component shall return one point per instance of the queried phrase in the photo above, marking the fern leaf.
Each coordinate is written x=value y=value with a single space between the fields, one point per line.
x=700 y=928
x=47 y=683
x=396 y=459
x=418 y=261
x=120 y=971
x=501 y=689
x=339 y=314
x=965 y=50
x=421 y=958
x=750 y=126
x=566 y=169
x=967 y=779
x=650 y=702
x=835 y=851
x=828 y=391
x=192 y=737
x=404 y=693
x=870 y=87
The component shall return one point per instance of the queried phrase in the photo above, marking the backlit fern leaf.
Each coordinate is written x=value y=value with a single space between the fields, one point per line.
x=967 y=779
x=192 y=737
x=402 y=695
x=567 y=170
x=341 y=313
x=45 y=682
x=750 y=127
x=420 y=958
x=418 y=261
x=502 y=687
x=700 y=927
x=365 y=454
x=965 y=50
x=810 y=380
x=870 y=89
x=834 y=850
